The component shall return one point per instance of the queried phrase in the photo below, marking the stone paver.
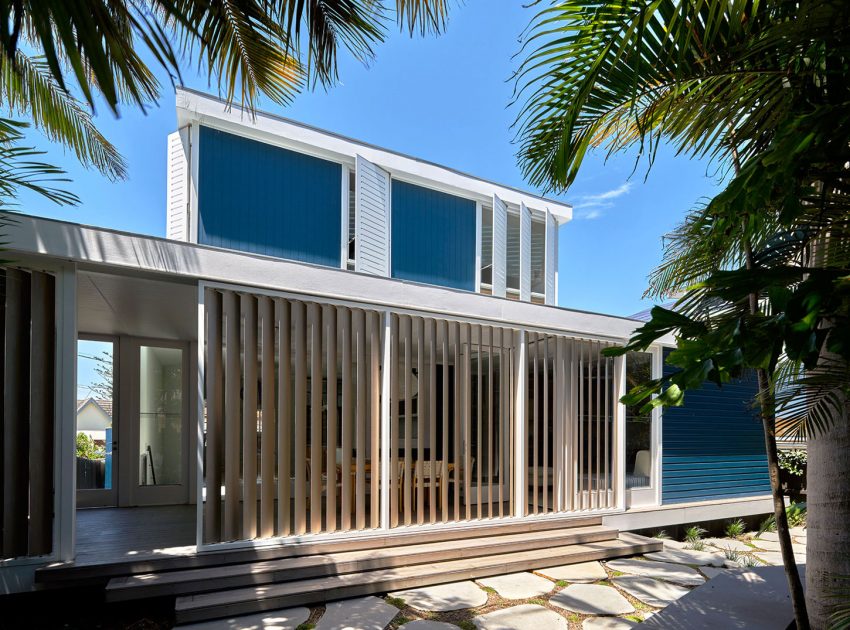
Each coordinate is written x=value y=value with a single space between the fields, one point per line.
x=592 y=599
x=669 y=543
x=687 y=556
x=728 y=543
x=364 y=613
x=518 y=585
x=711 y=572
x=798 y=531
x=427 y=624
x=288 y=619
x=767 y=545
x=583 y=572
x=676 y=573
x=767 y=536
x=444 y=597
x=523 y=617
x=775 y=558
x=649 y=591
x=608 y=623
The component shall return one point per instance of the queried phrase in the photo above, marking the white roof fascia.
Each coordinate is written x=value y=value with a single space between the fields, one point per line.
x=195 y=107
x=104 y=250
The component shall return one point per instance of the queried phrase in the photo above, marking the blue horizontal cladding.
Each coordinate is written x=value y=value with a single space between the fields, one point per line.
x=433 y=237
x=713 y=446
x=259 y=198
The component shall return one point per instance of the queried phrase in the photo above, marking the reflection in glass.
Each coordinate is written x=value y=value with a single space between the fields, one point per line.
x=94 y=415
x=160 y=416
x=638 y=424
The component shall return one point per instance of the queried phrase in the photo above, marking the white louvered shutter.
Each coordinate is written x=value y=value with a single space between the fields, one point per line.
x=551 y=259
x=524 y=253
x=177 y=187
x=500 y=246
x=372 y=217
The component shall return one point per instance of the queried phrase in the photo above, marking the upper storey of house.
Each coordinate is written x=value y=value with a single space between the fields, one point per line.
x=264 y=184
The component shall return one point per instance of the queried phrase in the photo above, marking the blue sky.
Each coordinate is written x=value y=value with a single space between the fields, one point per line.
x=443 y=99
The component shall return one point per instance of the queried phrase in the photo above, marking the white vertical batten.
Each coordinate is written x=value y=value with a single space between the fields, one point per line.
x=500 y=246
x=521 y=388
x=177 y=186
x=372 y=218
x=65 y=473
x=524 y=253
x=551 y=259
x=199 y=473
x=619 y=438
x=385 y=423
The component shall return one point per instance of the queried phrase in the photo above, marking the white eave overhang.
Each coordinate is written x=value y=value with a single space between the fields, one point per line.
x=47 y=243
x=198 y=108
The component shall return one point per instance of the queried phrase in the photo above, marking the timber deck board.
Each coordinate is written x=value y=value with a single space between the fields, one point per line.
x=229 y=576
x=199 y=607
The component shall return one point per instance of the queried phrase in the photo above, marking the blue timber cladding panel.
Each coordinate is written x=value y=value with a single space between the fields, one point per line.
x=713 y=446
x=433 y=237
x=259 y=198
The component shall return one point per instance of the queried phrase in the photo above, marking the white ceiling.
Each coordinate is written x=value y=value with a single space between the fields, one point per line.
x=127 y=305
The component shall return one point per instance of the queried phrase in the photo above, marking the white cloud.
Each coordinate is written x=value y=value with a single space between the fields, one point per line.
x=591 y=206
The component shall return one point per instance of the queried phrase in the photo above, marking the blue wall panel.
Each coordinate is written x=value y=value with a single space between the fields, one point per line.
x=259 y=198
x=433 y=237
x=713 y=446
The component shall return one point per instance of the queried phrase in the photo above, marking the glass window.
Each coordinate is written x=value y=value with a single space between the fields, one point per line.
x=638 y=424
x=486 y=245
x=352 y=222
x=161 y=416
x=538 y=257
x=94 y=438
x=513 y=252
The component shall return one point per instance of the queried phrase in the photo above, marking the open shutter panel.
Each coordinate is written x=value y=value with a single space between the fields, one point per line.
x=177 y=187
x=500 y=239
x=372 y=212
x=551 y=259
x=524 y=253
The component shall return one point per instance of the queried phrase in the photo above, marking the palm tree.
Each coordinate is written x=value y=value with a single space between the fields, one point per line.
x=761 y=87
x=52 y=50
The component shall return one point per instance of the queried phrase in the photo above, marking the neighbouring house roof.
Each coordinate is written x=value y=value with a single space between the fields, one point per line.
x=104 y=404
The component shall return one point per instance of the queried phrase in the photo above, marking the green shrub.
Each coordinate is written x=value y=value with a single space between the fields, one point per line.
x=694 y=533
x=87 y=449
x=796 y=515
x=767 y=525
x=793 y=462
x=735 y=529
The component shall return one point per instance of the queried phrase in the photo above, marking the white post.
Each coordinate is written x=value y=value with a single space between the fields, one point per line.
x=199 y=473
x=620 y=433
x=521 y=376
x=385 y=425
x=65 y=474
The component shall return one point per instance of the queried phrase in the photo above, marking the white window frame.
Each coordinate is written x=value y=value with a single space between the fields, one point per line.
x=347 y=172
x=650 y=495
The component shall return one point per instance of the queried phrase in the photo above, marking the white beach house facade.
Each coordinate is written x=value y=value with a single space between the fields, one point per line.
x=335 y=344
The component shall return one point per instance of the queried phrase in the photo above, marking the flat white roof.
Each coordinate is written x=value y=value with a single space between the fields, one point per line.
x=197 y=107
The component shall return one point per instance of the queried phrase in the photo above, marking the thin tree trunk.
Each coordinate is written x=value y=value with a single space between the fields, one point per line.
x=827 y=518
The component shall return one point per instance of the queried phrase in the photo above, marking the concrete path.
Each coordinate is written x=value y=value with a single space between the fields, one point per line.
x=523 y=617
x=755 y=599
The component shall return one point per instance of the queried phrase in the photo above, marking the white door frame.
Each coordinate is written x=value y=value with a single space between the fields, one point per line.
x=130 y=492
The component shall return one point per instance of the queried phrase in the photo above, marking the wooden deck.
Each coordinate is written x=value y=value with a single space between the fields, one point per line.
x=115 y=535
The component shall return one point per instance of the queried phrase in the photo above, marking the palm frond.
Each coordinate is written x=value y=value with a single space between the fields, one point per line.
x=27 y=86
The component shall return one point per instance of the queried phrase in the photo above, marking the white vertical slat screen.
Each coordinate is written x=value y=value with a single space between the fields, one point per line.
x=372 y=218
x=500 y=247
x=551 y=259
x=292 y=417
x=177 y=186
x=524 y=253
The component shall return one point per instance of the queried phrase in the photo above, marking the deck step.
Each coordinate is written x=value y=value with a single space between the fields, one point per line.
x=257 y=598
x=61 y=574
x=328 y=564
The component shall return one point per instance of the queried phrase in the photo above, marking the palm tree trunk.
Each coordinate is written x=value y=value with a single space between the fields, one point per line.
x=827 y=518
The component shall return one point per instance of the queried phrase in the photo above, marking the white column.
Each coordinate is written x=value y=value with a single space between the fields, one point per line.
x=65 y=474
x=199 y=426
x=520 y=383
